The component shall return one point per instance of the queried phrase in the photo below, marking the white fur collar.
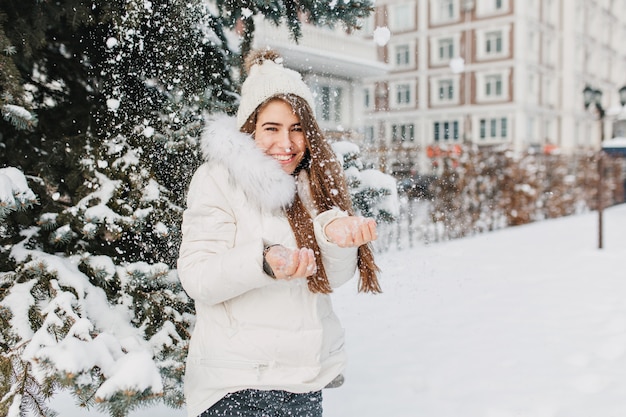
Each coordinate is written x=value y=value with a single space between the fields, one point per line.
x=260 y=177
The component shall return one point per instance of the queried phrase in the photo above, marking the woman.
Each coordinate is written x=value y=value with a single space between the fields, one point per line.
x=267 y=234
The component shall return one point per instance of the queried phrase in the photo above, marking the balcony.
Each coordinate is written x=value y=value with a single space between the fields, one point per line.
x=322 y=50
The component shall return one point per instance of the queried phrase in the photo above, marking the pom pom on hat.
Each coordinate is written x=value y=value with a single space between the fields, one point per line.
x=267 y=78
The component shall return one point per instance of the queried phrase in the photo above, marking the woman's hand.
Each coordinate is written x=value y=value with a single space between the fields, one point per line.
x=351 y=231
x=291 y=264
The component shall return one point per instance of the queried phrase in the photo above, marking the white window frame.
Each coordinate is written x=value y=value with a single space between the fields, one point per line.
x=369 y=136
x=490 y=129
x=446 y=49
x=485 y=77
x=407 y=127
x=444 y=11
x=532 y=45
x=402 y=17
x=435 y=86
x=549 y=91
x=336 y=97
x=494 y=43
x=402 y=88
x=368 y=24
x=486 y=8
x=439 y=131
x=435 y=44
x=406 y=51
x=482 y=38
x=368 y=98
x=446 y=90
x=402 y=94
x=550 y=11
x=493 y=85
x=548 y=57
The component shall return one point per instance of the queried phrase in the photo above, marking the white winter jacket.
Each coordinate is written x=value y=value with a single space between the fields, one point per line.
x=252 y=331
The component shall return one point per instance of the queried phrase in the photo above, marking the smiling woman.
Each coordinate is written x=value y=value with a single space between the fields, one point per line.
x=268 y=233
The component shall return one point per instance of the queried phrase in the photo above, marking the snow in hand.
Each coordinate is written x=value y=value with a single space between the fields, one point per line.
x=529 y=321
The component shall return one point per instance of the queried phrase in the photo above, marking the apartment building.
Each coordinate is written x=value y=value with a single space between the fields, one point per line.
x=453 y=72
x=492 y=72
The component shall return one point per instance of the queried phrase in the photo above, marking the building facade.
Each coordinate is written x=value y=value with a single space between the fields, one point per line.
x=491 y=73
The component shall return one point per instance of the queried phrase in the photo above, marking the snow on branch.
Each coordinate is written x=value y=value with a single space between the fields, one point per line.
x=15 y=195
x=19 y=117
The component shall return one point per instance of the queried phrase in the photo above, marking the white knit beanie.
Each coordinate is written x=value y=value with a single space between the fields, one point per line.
x=266 y=78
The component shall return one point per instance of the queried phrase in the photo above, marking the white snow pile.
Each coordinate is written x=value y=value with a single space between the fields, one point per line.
x=14 y=191
x=17 y=110
x=118 y=349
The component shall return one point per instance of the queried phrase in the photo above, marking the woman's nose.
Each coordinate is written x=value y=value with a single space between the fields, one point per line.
x=285 y=139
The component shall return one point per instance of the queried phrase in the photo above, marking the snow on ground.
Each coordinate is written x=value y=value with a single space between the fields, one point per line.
x=528 y=321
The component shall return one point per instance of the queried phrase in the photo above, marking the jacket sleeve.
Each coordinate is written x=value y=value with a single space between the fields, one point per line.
x=210 y=267
x=340 y=263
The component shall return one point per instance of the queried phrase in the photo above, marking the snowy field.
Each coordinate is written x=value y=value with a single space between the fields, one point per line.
x=523 y=322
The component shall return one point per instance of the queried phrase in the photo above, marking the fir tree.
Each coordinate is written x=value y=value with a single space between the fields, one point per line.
x=374 y=194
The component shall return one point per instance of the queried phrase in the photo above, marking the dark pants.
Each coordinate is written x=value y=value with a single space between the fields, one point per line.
x=256 y=403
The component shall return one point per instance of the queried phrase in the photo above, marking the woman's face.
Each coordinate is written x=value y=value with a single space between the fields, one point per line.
x=279 y=134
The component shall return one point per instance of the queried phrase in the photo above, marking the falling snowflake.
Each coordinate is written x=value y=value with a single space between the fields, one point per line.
x=382 y=35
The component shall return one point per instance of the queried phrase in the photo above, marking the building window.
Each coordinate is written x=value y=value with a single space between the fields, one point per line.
x=446 y=9
x=493 y=86
x=446 y=90
x=443 y=11
x=368 y=25
x=330 y=102
x=446 y=49
x=493 y=43
x=402 y=17
x=530 y=130
x=367 y=98
x=337 y=103
x=443 y=49
x=403 y=58
x=493 y=129
x=490 y=7
x=403 y=94
x=403 y=133
x=368 y=135
x=446 y=130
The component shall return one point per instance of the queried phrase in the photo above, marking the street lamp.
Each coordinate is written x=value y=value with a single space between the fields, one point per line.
x=594 y=96
x=622 y=96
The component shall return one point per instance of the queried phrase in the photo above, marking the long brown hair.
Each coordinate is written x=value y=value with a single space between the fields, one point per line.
x=328 y=190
